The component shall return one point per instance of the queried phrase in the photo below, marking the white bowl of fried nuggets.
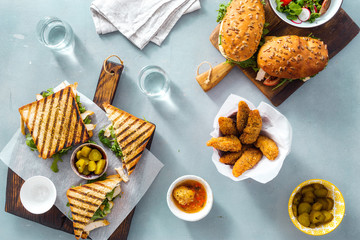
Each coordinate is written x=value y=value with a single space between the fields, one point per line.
x=249 y=142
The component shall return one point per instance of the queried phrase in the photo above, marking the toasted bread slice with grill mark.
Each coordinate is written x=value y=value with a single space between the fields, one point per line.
x=54 y=122
x=84 y=200
x=132 y=134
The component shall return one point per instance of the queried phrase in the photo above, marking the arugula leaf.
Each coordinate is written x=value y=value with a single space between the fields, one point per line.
x=57 y=157
x=103 y=139
x=30 y=142
x=87 y=120
x=47 y=92
x=284 y=80
x=222 y=11
x=91 y=141
x=313 y=17
x=81 y=107
x=279 y=4
x=54 y=166
x=111 y=143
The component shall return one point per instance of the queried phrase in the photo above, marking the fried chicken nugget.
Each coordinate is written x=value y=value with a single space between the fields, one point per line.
x=252 y=129
x=242 y=116
x=231 y=158
x=267 y=146
x=225 y=144
x=227 y=126
x=247 y=161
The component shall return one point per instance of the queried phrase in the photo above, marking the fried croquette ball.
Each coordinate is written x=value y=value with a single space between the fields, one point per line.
x=225 y=144
x=242 y=116
x=248 y=160
x=184 y=195
x=267 y=146
x=227 y=126
x=252 y=129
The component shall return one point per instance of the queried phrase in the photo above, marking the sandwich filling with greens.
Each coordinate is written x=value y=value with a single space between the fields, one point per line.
x=127 y=136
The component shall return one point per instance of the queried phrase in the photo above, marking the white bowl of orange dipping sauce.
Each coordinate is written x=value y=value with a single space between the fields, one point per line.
x=199 y=198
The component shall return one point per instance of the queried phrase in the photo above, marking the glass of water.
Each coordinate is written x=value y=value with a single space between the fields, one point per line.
x=153 y=81
x=55 y=34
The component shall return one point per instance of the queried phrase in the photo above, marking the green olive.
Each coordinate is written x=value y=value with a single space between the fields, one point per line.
x=304 y=219
x=294 y=209
x=328 y=216
x=309 y=199
x=318 y=186
x=297 y=198
x=85 y=151
x=304 y=207
x=316 y=217
x=321 y=192
x=317 y=206
x=309 y=194
x=324 y=203
x=95 y=155
x=307 y=189
x=330 y=204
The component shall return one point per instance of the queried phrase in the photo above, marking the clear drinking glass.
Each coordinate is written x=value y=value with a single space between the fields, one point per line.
x=55 y=34
x=153 y=81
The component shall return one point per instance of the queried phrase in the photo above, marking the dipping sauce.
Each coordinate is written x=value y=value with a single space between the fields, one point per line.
x=189 y=196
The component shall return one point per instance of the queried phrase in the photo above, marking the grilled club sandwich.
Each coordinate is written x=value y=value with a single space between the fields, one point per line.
x=130 y=133
x=55 y=122
x=90 y=203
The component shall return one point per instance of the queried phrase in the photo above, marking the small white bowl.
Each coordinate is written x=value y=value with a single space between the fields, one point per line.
x=38 y=194
x=330 y=13
x=191 y=217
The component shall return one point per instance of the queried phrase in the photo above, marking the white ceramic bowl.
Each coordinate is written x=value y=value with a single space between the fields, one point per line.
x=333 y=9
x=38 y=194
x=191 y=217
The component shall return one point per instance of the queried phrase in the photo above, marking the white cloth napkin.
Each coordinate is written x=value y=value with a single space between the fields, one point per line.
x=141 y=21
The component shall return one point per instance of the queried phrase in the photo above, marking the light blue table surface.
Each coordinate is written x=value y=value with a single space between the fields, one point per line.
x=324 y=114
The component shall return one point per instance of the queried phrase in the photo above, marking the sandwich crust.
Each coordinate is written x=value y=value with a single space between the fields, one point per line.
x=241 y=29
x=293 y=57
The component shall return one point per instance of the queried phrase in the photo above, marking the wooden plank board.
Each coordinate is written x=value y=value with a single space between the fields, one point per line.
x=105 y=92
x=337 y=33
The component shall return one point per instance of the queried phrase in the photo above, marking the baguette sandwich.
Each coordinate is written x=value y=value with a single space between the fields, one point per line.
x=55 y=123
x=90 y=203
x=129 y=135
x=241 y=29
x=291 y=57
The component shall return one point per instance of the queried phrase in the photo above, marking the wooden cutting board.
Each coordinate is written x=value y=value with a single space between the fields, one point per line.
x=105 y=92
x=337 y=33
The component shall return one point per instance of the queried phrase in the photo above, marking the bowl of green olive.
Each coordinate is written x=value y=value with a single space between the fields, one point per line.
x=89 y=161
x=316 y=207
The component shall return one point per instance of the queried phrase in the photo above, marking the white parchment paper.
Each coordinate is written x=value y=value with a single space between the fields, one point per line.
x=26 y=163
x=275 y=125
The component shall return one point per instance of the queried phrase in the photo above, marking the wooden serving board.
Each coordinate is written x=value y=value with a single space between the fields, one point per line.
x=336 y=33
x=105 y=92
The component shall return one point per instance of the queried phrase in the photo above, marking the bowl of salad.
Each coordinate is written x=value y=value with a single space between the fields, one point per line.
x=305 y=13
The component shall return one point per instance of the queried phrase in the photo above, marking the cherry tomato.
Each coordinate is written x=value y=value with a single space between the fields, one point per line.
x=272 y=81
x=286 y=2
